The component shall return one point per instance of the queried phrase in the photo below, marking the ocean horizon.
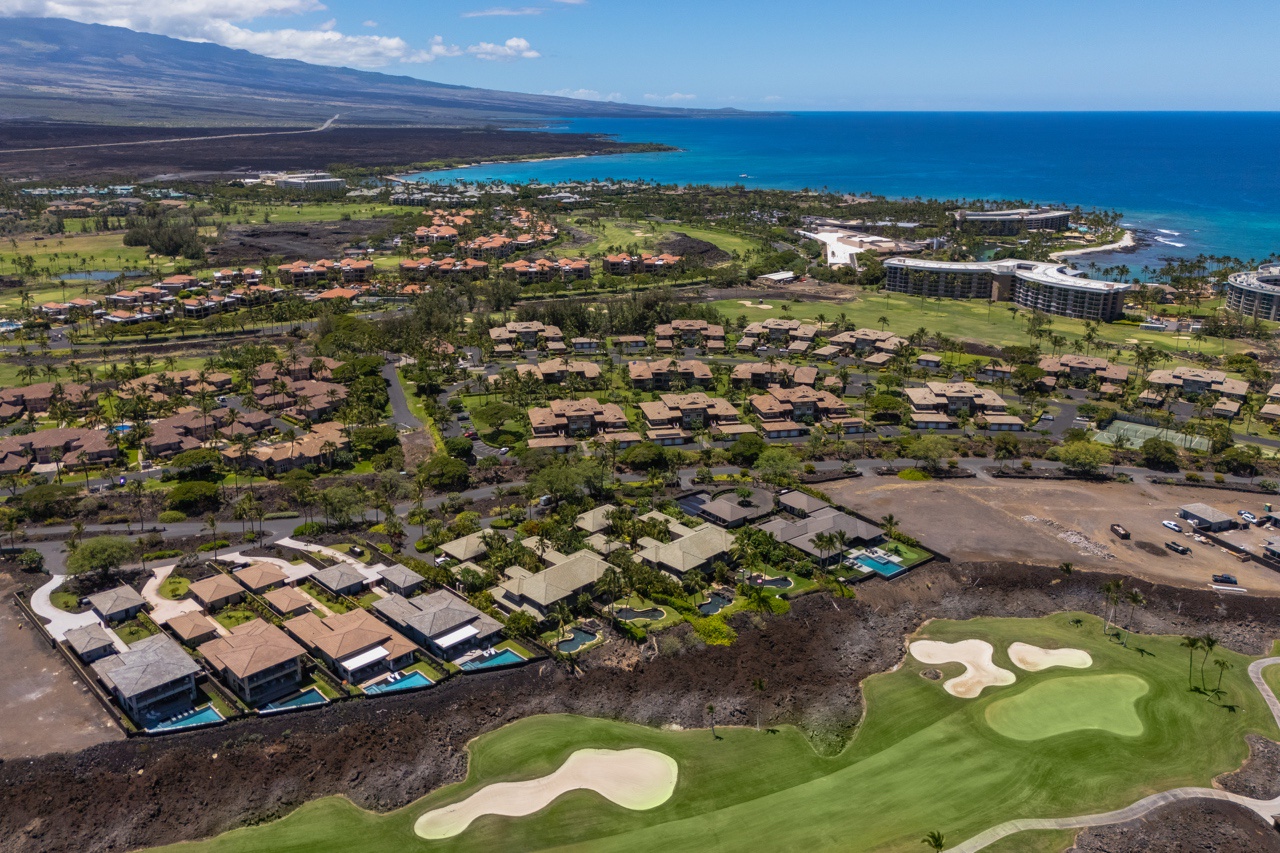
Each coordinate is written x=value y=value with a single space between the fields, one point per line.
x=1187 y=183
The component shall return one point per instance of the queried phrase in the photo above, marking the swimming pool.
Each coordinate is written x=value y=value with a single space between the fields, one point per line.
x=407 y=682
x=198 y=717
x=776 y=583
x=502 y=658
x=714 y=604
x=577 y=639
x=308 y=697
x=630 y=614
x=884 y=568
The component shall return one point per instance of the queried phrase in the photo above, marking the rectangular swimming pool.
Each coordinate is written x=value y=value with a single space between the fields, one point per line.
x=308 y=697
x=884 y=568
x=408 y=682
x=198 y=717
x=502 y=658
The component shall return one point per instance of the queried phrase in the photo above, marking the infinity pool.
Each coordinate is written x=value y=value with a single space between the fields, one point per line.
x=502 y=658
x=714 y=604
x=884 y=568
x=308 y=697
x=408 y=682
x=207 y=714
x=577 y=639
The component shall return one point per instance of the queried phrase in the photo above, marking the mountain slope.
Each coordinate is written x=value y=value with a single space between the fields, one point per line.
x=55 y=69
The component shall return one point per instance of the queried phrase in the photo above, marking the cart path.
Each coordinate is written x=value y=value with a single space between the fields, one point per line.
x=1266 y=809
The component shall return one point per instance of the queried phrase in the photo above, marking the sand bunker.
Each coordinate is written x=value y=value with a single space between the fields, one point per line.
x=750 y=304
x=637 y=779
x=979 y=670
x=1033 y=658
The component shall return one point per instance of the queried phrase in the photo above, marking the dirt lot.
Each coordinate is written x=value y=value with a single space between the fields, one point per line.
x=370 y=147
x=384 y=754
x=42 y=708
x=988 y=519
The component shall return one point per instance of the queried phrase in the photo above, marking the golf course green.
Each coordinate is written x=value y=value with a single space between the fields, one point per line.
x=1055 y=743
x=1104 y=703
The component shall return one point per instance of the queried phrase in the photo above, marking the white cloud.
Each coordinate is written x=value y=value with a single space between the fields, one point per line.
x=512 y=48
x=369 y=24
x=585 y=94
x=674 y=96
x=220 y=21
x=504 y=12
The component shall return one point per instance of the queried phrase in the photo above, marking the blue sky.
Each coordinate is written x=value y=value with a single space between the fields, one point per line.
x=801 y=54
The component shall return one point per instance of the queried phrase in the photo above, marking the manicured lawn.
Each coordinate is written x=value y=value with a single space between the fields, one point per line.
x=910 y=554
x=426 y=669
x=174 y=587
x=233 y=617
x=67 y=601
x=957 y=318
x=515 y=647
x=334 y=604
x=922 y=760
x=132 y=632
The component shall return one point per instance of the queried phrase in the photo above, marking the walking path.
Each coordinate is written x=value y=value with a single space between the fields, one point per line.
x=60 y=621
x=1266 y=809
x=164 y=609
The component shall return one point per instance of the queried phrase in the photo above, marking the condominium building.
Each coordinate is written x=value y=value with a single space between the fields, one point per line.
x=1049 y=288
x=689 y=333
x=1256 y=294
x=1006 y=223
x=574 y=417
x=659 y=374
x=527 y=334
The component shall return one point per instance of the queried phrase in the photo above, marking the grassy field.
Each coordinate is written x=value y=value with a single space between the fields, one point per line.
x=647 y=235
x=923 y=760
x=971 y=320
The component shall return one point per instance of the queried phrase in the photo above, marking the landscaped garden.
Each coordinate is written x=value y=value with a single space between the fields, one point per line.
x=174 y=587
x=923 y=760
x=234 y=617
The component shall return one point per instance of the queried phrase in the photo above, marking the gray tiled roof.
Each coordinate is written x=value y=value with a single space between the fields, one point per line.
x=435 y=614
x=150 y=663
x=400 y=575
x=90 y=638
x=338 y=577
x=116 y=600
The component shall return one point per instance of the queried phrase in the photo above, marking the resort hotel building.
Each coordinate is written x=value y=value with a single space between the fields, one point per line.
x=1006 y=223
x=1255 y=294
x=1050 y=288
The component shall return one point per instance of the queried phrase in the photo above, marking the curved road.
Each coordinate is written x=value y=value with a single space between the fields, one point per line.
x=1266 y=809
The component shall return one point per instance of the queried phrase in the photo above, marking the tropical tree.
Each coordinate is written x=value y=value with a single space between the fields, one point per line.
x=1223 y=666
x=935 y=840
x=1208 y=642
x=1136 y=599
x=1190 y=644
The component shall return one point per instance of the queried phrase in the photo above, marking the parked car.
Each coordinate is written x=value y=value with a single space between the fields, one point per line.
x=1173 y=525
x=1248 y=516
x=1177 y=547
x=471 y=434
x=463 y=416
x=356 y=551
x=1227 y=579
x=504 y=451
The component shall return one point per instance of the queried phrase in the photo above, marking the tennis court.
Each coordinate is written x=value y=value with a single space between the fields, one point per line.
x=1135 y=434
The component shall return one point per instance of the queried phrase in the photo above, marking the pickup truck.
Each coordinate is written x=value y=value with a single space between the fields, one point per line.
x=1226 y=579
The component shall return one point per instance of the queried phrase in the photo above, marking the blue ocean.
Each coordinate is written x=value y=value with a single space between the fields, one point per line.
x=1190 y=183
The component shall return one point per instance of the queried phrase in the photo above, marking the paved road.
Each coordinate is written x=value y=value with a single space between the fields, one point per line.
x=324 y=126
x=400 y=411
x=1266 y=809
x=60 y=621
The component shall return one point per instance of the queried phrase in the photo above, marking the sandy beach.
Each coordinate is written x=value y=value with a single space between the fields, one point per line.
x=1126 y=242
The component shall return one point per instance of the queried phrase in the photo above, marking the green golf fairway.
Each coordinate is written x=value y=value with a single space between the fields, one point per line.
x=1105 y=703
x=921 y=760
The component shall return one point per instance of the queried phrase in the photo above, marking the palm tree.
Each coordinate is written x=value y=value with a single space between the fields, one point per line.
x=758 y=684
x=1208 y=642
x=890 y=525
x=1190 y=644
x=1223 y=666
x=211 y=524
x=935 y=840
x=711 y=712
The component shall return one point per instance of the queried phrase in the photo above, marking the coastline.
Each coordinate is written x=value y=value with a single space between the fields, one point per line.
x=642 y=148
x=1129 y=241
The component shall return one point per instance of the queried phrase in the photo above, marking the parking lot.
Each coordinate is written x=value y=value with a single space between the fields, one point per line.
x=1051 y=522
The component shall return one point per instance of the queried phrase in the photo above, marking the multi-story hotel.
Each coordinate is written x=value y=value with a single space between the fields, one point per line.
x=1256 y=294
x=1050 y=288
x=1006 y=223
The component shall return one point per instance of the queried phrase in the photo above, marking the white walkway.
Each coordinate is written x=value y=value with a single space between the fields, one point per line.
x=164 y=609
x=60 y=621
x=1266 y=809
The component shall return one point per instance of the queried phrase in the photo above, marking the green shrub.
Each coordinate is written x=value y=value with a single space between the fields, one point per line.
x=218 y=543
x=194 y=496
x=502 y=524
x=914 y=474
x=310 y=528
x=171 y=516
x=714 y=631
x=273 y=516
x=162 y=555
x=1193 y=477
x=115 y=518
